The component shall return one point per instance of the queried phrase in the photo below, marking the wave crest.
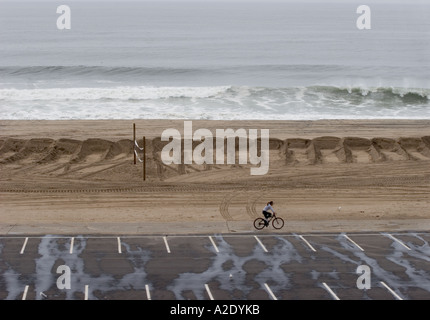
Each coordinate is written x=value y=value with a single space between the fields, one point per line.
x=115 y=93
x=216 y=102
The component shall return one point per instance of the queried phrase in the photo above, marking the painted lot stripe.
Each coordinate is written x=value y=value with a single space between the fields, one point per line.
x=209 y=292
x=24 y=295
x=71 y=245
x=353 y=242
x=119 y=245
x=261 y=244
x=424 y=233
x=148 y=294
x=330 y=291
x=23 y=246
x=309 y=245
x=398 y=241
x=213 y=243
x=86 y=292
x=270 y=292
x=167 y=245
x=391 y=291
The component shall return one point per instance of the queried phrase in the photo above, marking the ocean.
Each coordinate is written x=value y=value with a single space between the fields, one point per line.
x=226 y=60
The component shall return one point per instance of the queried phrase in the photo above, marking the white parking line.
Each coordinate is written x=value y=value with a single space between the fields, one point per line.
x=167 y=245
x=391 y=291
x=261 y=244
x=119 y=245
x=23 y=246
x=86 y=292
x=309 y=245
x=353 y=242
x=330 y=291
x=270 y=292
x=71 y=245
x=209 y=292
x=148 y=294
x=24 y=295
x=213 y=243
x=398 y=241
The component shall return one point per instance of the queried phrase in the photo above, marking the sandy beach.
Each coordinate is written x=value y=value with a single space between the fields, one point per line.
x=323 y=176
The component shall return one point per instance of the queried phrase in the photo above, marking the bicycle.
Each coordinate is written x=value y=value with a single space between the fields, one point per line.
x=277 y=222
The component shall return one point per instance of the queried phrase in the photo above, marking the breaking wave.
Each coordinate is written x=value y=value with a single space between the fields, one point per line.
x=214 y=102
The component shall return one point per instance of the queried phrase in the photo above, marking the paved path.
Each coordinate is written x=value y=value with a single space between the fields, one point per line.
x=214 y=227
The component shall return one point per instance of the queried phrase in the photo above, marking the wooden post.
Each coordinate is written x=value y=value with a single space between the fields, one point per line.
x=134 y=141
x=144 y=159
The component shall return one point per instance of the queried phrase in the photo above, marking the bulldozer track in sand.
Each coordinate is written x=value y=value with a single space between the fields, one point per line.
x=416 y=181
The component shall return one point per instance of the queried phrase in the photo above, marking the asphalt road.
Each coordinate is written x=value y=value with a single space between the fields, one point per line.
x=317 y=266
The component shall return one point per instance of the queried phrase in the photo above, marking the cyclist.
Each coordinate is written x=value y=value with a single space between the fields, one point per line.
x=266 y=212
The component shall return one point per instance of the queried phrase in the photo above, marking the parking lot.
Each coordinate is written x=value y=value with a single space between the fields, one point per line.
x=312 y=266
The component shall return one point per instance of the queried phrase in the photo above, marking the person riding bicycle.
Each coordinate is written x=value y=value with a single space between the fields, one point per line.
x=266 y=212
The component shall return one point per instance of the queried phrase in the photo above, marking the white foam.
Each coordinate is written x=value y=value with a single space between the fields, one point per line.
x=215 y=103
x=114 y=93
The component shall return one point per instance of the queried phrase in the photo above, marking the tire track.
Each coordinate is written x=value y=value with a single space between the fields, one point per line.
x=223 y=208
x=250 y=198
x=252 y=203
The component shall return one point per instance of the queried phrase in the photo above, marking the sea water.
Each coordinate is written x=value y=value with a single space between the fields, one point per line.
x=285 y=60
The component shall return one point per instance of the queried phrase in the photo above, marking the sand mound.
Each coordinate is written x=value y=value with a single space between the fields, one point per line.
x=100 y=159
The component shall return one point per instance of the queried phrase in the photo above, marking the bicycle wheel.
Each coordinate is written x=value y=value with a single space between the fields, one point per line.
x=278 y=223
x=259 y=223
